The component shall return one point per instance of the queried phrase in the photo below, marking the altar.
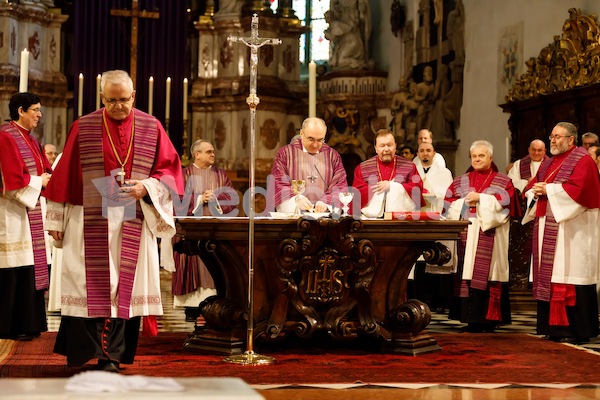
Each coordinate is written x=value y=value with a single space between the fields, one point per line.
x=341 y=277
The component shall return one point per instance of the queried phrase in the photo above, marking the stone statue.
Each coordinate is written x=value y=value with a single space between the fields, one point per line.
x=404 y=110
x=455 y=30
x=424 y=97
x=348 y=32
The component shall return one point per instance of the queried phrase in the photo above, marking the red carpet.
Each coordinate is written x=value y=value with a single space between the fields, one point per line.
x=465 y=358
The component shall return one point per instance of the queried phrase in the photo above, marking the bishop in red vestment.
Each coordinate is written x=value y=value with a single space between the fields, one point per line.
x=108 y=202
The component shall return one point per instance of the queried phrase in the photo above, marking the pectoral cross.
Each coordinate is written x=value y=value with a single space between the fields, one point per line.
x=312 y=178
x=121 y=175
x=135 y=14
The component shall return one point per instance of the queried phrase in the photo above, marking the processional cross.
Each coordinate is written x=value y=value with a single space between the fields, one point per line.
x=254 y=42
x=135 y=14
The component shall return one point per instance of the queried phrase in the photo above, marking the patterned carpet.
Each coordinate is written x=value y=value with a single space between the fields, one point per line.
x=173 y=320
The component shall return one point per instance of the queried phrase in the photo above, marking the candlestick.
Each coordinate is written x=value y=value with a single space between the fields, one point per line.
x=312 y=89
x=185 y=99
x=80 y=97
x=150 y=94
x=24 y=74
x=168 y=99
x=98 y=80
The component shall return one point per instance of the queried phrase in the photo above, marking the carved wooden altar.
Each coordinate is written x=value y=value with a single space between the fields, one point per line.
x=344 y=278
x=561 y=84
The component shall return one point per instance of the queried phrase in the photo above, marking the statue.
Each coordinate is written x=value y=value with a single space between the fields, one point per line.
x=404 y=110
x=424 y=96
x=348 y=32
x=455 y=30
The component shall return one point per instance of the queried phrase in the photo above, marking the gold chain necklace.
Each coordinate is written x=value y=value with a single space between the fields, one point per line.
x=114 y=149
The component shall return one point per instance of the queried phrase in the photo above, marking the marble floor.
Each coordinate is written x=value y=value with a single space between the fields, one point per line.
x=173 y=320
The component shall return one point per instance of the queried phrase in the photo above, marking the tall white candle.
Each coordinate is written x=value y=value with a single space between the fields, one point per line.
x=80 y=97
x=508 y=150
x=98 y=80
x=312 y=89
x=24 y=73
x=168 y=99
x=150 y=94
x=185 y=99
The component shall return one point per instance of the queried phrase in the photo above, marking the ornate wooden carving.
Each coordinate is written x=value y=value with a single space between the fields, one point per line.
x=571 y=60
x=342 y=277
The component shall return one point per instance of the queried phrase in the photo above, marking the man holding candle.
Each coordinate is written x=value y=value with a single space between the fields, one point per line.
x=24 y=256
x=108 y=206
x=310 y=159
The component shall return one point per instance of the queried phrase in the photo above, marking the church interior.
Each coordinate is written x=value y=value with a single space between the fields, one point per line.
x=505 y=72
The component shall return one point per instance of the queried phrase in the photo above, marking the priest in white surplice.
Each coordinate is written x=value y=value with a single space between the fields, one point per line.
x=109 y=202
x=433 y=283
x=524 y=169
x=387 y=182
x=486 y=198
x=566 y=240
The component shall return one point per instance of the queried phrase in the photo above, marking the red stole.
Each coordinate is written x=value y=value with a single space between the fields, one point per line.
x=40 y=263
x=485 y=244
x=558 y=295
x=96 y=225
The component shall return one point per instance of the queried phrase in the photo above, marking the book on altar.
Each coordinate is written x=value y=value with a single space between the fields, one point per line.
x=412 y=215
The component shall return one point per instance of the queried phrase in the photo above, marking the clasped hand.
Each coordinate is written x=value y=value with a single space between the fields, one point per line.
x=539 y=189
x=381 y=187
x=305 y=204
x=133 y=188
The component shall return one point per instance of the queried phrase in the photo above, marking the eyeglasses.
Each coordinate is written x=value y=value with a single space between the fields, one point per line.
x=314 y=140
x=112 y=102
x=551 y=137
x=35 y=110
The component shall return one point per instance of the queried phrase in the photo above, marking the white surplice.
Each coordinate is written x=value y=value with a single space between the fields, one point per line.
x=158 y=223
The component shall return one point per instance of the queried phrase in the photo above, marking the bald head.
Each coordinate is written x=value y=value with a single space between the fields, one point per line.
x=537 y=150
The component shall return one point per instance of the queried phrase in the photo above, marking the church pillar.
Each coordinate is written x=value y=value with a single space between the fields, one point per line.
x=35 y=26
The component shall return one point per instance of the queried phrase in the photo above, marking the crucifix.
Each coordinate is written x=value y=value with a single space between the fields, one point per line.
x=254 y=42
x=135 y=14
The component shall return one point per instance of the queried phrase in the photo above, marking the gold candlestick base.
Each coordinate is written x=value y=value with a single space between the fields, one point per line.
x=249 y=358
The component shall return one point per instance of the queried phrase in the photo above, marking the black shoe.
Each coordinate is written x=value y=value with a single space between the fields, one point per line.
x=24 y=338
x=108 y=365
x=578 y=340
x=554 y=338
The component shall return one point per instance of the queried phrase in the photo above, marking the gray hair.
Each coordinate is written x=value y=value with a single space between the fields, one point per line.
x=482 y=143
x=570 y=128
x=196 y=145
x=590 y=135
x=116 y=77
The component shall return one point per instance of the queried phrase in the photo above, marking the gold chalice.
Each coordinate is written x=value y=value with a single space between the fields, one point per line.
x=298 y=187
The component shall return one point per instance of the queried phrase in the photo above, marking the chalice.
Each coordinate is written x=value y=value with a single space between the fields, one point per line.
x=298 y=187
x=345 y=199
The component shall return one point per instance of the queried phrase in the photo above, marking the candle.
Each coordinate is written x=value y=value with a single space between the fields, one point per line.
x=312 y=89
x=98 y=79
x=150 y=94
x=80 y=97
x=185 y=99
x=24 y=74
x=507 y=150
x=168 y=99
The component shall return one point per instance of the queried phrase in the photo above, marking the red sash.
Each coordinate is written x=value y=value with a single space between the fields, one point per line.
x=36 y=224
x=95 y=229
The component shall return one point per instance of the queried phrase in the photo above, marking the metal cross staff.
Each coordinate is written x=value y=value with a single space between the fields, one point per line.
x=254 y=42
